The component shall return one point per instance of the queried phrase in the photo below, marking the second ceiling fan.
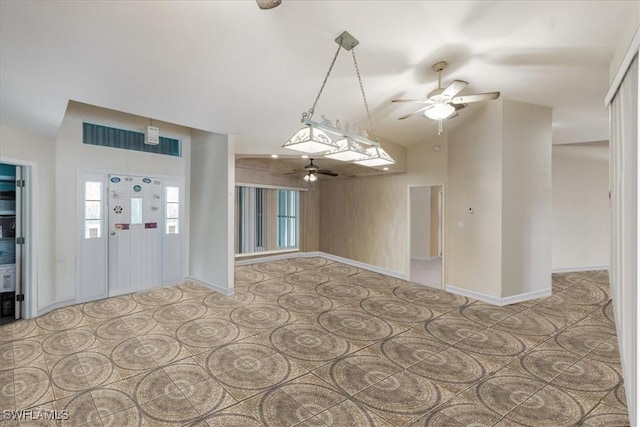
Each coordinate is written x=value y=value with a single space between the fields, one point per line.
x=444 y=103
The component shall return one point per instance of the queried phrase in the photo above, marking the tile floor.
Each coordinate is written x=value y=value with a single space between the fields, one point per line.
x=311 y=342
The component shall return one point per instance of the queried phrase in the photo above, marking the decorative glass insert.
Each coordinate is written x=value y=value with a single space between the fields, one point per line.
x=173 y=210
x=136 y=210
x=92 y=210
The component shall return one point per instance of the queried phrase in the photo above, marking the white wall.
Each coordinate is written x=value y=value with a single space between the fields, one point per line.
x=420 y=214
x=426 y=167
x=580 y=208
x=20 y=145
x=474 y=180
x=526 y=198
x=498 y=203
x=212 y=191
x=72 y=155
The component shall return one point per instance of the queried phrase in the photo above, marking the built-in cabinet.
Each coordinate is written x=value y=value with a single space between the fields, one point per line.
x=7 y=243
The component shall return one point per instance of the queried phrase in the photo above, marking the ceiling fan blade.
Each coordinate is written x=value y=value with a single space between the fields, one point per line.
x=415 y=113
x=327 y=172
x=419 y=101
x=294 y=172
x=466 y=99
x=455 y=114
x=454 y=88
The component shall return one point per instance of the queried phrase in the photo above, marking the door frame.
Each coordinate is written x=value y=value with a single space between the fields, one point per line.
x=30 y=230
x=443 y=227
x=184 y=224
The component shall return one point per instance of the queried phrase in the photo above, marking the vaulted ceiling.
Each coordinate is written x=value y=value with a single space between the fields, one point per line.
x=232 y=68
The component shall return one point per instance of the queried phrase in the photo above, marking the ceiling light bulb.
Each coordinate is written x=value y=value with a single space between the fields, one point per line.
x=440 y=111
x=274 y=156
x=305 y=156
x=312 y=177
x=385 y=169
x=305 y=178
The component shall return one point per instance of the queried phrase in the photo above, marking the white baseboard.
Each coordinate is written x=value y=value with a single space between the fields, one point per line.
x=54 y=305
x=364 y=266
x=542 y=293
x=212 y=286
x=578 y=269
x=336 y=258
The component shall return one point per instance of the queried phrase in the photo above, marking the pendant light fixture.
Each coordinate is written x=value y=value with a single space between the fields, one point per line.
x=333 y=140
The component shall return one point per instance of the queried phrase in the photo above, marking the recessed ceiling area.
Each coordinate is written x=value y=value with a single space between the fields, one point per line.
x=233 y=68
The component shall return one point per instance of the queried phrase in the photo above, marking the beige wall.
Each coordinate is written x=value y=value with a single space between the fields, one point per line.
x=526 y=198
x=365 y=219
x=580 y=209
x=498 y=230
x=23 y=146
x=474 y=180
x=420 y=220
x=211 y=212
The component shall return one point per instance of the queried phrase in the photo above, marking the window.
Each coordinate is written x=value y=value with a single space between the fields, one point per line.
x=266 y=219
x=92 y=210
x=287 y=219
x=172 y=210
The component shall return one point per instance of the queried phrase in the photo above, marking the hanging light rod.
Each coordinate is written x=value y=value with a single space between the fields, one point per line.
x=333 y=140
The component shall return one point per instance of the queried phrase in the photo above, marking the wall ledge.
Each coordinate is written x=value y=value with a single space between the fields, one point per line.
x=217 y=288
x=542 y=293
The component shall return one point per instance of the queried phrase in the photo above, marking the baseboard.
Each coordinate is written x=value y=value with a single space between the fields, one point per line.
x=212 y=286
x=54 y=305
x=336 y=258
x=542 y=293
x=579 y=269
x=271 y=258
x=364 y=266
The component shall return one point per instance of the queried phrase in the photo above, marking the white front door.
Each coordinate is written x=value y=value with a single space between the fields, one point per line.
x=136 y=207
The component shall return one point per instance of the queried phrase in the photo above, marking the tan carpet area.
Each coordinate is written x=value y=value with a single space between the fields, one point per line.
x=311 y=342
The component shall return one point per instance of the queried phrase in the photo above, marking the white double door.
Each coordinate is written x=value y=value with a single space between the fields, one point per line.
x=136 y=218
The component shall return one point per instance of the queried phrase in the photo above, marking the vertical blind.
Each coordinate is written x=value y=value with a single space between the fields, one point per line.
x=266 y=219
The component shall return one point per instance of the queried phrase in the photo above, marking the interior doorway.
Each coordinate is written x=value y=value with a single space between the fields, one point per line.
x=425 y=234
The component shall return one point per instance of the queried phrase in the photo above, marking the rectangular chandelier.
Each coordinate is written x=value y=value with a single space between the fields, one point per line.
x=331 y=140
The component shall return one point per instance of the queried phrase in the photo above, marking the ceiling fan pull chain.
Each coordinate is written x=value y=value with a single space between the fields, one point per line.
x=307 y=115
x=364 y=97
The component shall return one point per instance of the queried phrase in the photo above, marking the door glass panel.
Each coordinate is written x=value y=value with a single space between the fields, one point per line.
x=92 y=210
x=173 y=196
x=172 y=210
x=136 y=210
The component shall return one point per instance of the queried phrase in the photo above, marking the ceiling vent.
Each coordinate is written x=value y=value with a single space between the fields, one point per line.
x=152 y=136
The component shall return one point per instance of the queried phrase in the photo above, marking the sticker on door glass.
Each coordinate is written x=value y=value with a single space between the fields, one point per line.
x=151 y=225
x=146 y=180
x=118 y=209
x=137 y=188
x=115 y=179
x=122 y=226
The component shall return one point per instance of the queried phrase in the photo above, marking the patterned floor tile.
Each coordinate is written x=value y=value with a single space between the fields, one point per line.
x=312 y=342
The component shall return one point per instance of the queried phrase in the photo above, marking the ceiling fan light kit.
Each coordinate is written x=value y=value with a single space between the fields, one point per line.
x=442 y=103
x=333 y=141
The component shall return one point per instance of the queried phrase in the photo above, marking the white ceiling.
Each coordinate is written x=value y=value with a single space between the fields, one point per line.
x=231 y=68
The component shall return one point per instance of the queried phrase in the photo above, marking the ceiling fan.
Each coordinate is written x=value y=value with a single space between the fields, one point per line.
x=312 y=171
x=444 y=103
